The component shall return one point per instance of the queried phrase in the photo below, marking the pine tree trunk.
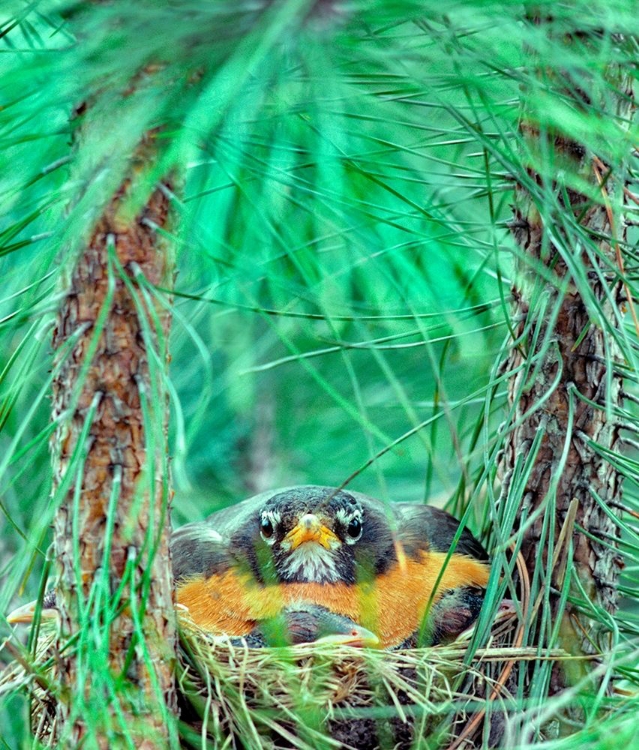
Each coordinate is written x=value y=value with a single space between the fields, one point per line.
x=563 y=393
x=110 y=459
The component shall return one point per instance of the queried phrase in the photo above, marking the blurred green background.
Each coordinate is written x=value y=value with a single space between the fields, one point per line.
x=337 y=252
x=342 y=188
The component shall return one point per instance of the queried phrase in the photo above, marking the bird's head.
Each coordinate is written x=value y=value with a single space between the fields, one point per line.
x=312 y=623
x=319 y=534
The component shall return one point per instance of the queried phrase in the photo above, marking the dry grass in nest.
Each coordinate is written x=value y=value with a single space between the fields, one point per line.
x=326 y=696
x=310 y=697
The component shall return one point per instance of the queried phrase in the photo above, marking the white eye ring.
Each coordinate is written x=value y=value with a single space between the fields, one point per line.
x=268 y=525
x=354 y=530
x=351 y=519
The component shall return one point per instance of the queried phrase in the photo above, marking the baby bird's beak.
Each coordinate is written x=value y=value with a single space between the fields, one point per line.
x=358 y=637
x=26 y=614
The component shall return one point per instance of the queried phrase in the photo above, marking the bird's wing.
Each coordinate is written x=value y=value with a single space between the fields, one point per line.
x=198 y=549
x=422 y=527
x=204 y=547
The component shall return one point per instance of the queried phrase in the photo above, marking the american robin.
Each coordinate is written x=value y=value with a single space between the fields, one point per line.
x=395 y=570
x=309 y=623
x=294 y=626
x=385 y=567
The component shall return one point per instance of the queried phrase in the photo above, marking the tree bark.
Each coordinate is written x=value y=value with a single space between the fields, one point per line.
x=565 y=395
x=110 y=465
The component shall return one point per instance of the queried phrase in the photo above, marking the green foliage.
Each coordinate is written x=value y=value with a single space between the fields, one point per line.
x=343 y=174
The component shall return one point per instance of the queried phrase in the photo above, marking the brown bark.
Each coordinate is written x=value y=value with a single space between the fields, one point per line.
x=563 y=396
x=565 y=407
x=110 y=447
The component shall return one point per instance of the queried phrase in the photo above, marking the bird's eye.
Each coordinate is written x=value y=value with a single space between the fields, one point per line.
x=354 y=528
x=266 y=527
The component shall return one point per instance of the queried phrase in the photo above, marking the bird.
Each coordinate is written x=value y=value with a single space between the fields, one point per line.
x=405 y=571
x=325 y=561
x=26 y=613
x=294 y=626
x=308 y=623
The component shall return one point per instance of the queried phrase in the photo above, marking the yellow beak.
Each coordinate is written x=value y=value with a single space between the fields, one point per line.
x=26 y=614
x=359 y=637
x=310 y=529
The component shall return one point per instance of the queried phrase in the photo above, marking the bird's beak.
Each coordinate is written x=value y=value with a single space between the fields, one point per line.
x=358 y=637
x=310 y=529
x=26 y=614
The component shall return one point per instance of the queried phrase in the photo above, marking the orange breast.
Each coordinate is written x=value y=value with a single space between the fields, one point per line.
x=392 y=606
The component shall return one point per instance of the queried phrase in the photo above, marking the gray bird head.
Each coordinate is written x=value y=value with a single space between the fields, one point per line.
x=316 y=534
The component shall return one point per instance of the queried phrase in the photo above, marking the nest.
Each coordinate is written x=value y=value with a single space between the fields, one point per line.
x=312 y=696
